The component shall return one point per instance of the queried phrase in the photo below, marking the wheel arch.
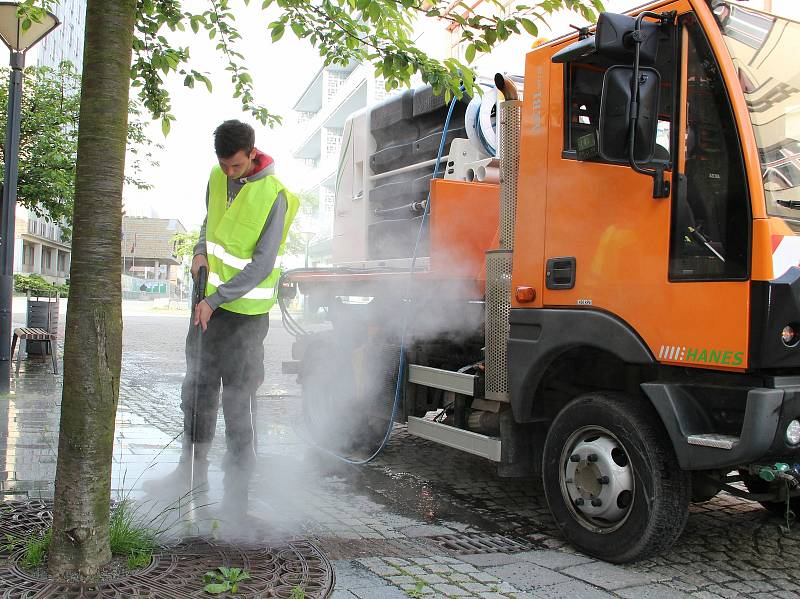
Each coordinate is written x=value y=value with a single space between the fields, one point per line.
x=544 y=342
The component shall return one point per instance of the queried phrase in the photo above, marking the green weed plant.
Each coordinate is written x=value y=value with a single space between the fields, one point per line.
x=224 y=580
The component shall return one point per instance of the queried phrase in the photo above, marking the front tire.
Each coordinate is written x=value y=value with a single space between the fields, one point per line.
x=612 y=480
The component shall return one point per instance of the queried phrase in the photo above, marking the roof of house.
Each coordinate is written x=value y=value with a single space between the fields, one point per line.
x=153 y=238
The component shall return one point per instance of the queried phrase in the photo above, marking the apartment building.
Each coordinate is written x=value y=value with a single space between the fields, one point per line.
x=330 y=97
x=66 y=41
x=40 y=246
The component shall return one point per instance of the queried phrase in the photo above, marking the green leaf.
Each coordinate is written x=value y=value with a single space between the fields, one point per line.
x=529 y=26
x=217 y=588
x=469 y=54
x=165 y=126
x=277 y=32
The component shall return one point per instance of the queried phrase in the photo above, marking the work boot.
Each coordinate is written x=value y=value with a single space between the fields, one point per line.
x=236 y=483
x=180 y=481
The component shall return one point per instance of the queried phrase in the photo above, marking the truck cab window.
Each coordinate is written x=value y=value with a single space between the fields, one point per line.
x=710 y=216
x=584 y=85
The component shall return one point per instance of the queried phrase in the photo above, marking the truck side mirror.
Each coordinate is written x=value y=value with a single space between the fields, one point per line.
x=616 y=117
x=614 y=38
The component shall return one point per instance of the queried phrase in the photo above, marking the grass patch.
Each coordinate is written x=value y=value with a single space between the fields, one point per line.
x=36 y=547
x=128 y=537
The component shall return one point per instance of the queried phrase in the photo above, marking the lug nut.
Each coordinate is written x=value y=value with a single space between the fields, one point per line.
x=603 y=480
x=574 y=458
x=596 y=502
x=592 y=457
x=579 y=501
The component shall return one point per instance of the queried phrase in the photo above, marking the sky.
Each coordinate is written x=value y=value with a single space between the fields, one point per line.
x=280 y=72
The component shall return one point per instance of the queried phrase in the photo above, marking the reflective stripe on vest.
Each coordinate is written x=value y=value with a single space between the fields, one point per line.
x=257 y=293
x=232 y=233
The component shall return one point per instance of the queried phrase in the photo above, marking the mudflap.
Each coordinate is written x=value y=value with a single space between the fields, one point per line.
x=521 y=449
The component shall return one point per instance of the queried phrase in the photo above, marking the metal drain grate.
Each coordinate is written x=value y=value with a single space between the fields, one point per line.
x=176 y=572
x=469 y=543
x=20 y=519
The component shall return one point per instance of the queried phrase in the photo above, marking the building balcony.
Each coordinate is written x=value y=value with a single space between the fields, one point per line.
x=351 y=96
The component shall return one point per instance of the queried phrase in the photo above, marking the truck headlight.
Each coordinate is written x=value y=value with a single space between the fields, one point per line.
x=793 y=432
x=789 y=335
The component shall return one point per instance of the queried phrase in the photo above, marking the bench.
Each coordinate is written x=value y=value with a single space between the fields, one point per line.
x=32 y=334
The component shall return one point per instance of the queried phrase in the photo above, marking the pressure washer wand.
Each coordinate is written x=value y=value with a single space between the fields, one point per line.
x=197 y=355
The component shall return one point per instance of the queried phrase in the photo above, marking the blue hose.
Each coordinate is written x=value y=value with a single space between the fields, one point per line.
x=402 y=365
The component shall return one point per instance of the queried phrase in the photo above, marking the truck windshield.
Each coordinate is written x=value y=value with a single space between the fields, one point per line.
x=765 y=50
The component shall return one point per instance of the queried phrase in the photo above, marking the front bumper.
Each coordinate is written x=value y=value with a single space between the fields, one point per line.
x=713 y=426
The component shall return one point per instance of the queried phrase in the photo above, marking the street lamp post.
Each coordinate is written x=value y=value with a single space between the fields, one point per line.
x=18 y=40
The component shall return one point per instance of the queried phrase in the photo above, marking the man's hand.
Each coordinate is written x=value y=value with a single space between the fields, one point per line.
x=202 y=312
x=198 y=261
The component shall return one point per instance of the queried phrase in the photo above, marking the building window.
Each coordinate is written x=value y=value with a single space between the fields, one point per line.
x=380 y=89
x=304 y=116
x=333 y=142
x=329 y=200
x=336 y=80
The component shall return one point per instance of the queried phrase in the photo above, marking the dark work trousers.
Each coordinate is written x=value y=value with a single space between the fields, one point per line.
x=231 y=355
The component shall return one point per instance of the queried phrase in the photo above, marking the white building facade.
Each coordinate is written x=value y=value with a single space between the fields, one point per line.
x=66 y=41
x=40 y=246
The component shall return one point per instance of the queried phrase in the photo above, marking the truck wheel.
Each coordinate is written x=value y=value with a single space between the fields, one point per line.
x=612 y=480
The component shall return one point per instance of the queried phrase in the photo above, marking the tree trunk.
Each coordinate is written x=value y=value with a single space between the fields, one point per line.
x=93 y=344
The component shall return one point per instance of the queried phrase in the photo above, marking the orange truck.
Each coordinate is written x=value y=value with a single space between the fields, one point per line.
x=616 y=310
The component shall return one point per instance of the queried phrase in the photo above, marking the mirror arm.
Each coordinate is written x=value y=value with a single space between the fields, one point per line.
x=660 y=186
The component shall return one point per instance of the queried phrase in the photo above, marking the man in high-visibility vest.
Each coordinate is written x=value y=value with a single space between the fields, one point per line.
x=248 y=216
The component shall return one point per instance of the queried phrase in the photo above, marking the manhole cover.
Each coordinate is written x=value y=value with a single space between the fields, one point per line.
x=176 y=572
x=468 y=543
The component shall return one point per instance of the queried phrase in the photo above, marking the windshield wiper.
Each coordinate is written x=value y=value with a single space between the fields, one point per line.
x=706 y=243
x=793 y=204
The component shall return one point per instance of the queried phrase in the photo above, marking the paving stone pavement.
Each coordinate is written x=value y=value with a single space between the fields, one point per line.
x=385 y=525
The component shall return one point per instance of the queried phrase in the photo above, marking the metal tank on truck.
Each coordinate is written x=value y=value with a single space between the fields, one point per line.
x=609 y=303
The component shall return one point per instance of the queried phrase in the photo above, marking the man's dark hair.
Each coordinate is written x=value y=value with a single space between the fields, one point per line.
x=232 y=136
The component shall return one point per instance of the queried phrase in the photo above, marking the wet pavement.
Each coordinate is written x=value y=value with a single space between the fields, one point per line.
x=411 y=523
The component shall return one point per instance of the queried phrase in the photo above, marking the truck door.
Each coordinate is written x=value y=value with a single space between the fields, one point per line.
x=674 y=269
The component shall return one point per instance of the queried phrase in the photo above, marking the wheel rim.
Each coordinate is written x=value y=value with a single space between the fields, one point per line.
x=596 y=479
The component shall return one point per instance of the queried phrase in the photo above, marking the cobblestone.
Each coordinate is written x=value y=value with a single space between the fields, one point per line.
x=376 y=521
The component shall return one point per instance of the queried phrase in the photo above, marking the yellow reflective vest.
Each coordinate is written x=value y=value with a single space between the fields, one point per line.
x=232 y=233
